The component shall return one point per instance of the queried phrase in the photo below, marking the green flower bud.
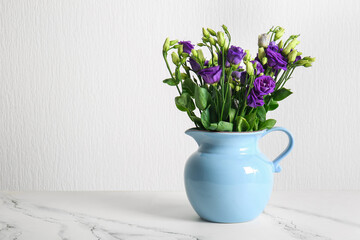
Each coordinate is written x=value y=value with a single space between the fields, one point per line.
x=302 y=62
x=292 y=56
x=173 y=42
x=166 y=45
x=212 y=32
x=212 y=41
x=215 y=56
x=290 y=46
x=184 y=55
x=281 y=44
x=307 y=65
x=261 y=53
x=249 y=68
x=194 y=52
x=261 y=74
x=180 y=49
x=204 y=39
x=264 y=61
x=183 y=60
x=279 y=33
x=205 y=33
x=232 y=85
x=175 y=58
x=220 y=38
x=299 y=53
x=201 y=44
x=310 y=59
x=201 y=55
x=247 y=56
x=272 y=74
x=237 y=88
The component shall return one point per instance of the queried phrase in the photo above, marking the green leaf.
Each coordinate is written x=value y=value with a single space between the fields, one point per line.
x=273 y=105
x=261 y=112
x=267 y=124
x=205 y=118
x=170 y=82
x=241 y=124
x=224 y=126
x=232 y=113
x=250 y=118
x=189 y=86
x=184 y=102
x=202 y=97
x=281 y=94
x=213 y=126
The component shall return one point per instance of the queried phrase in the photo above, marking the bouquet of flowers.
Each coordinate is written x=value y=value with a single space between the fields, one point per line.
x=232 y=90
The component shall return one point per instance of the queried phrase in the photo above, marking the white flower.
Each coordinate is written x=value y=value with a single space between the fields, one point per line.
x=263 y=40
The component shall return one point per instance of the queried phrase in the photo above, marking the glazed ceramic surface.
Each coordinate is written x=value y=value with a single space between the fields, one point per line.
x=228 y=179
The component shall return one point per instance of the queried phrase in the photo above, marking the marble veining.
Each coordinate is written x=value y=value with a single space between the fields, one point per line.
x=99 y=228
x=150 y=216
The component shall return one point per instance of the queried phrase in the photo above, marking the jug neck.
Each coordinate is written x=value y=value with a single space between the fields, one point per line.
x=220 y=142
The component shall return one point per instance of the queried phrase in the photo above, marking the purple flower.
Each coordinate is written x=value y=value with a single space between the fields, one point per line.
x=195 y=66
x=211 y=74
x=187 y=46
x=276 y=60
x=235 y=55
x=297 y=58
x=259 y=67
x=254 y=99
x=264 y=85
x=273 y=46
x=206 y=63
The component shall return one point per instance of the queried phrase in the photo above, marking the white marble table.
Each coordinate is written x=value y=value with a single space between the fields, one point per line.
x=168 y=215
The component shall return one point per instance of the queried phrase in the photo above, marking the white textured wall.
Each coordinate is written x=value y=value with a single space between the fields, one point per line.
x=83 y=107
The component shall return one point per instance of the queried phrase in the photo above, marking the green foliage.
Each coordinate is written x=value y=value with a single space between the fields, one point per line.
x=184 y=102
x=267 y=124
x=223 y=126
x=202 y=97
x=281 y=94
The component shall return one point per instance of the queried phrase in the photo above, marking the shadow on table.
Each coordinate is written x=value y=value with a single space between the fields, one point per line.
x=163 y=205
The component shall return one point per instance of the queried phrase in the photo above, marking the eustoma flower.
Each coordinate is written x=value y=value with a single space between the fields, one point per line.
x=254 y=100
x=187 y=46
x=264 y=85
x=235 y=55
x=211 y=75
x=276 y=60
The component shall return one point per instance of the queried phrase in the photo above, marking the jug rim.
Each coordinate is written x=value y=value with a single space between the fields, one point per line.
x=223 y=132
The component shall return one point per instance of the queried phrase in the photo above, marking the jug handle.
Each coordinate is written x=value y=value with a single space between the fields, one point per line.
x=276 y=161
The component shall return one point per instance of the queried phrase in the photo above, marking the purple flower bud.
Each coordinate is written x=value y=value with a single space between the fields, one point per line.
x=235 y=55
x=264 y=85
x=195 y=66
x=187 y=46
x=211 y=75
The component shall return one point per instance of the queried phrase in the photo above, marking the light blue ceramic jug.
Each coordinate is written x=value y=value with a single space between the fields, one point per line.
x=228 y=179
